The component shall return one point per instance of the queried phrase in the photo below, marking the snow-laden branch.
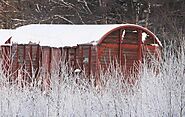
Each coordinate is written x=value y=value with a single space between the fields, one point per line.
x=20 y=20
x=59 y=16
x=5 y=2
x=63 y=3
x=86 y=5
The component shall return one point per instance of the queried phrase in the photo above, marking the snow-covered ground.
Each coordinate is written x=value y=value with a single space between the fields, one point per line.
x=155 y=94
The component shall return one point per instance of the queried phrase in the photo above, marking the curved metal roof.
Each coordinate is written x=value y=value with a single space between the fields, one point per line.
x=59 y=35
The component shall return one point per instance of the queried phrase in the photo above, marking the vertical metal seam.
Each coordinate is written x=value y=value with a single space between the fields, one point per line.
x=89 y=66
x=17 y=60
x=31 y=60
x=140 y=45
x=120 y=51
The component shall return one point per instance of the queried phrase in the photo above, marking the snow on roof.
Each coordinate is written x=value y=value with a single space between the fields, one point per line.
x=5 y=35
x=57 y=35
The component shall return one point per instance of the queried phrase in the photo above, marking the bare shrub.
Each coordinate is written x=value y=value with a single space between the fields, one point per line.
x=161 y=94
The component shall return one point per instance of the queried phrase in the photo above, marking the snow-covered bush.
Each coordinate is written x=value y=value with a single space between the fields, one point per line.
x=154 y=94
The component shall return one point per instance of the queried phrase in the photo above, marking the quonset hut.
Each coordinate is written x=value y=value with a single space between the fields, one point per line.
x=35 y=50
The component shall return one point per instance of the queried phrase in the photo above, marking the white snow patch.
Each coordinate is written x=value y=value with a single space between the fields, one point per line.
x=5 y=35
x=56 y=35
x=123 y=34
x=154 y=44
x=144 y=35
x=77 y=70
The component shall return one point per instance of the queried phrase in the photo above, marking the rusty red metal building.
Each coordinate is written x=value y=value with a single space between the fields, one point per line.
x=94 y=48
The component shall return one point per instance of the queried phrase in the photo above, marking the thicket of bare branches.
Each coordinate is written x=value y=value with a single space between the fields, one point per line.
x=163 y=17
x=160 y=94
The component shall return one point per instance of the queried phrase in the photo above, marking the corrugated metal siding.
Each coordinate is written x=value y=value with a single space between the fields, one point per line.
x=126 y=50
x=45 y=60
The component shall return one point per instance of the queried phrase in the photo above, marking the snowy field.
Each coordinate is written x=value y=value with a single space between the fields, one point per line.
x=161 y=94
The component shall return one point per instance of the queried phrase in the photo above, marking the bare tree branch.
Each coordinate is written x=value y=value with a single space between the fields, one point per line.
x=59 y=16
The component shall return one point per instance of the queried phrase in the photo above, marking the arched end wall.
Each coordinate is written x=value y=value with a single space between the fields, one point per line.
x=127 y=45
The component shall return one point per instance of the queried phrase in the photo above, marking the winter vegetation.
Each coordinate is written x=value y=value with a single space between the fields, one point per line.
x=160 y=86
x=159 y=91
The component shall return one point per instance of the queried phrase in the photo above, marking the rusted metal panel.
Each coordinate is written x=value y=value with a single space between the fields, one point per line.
x=66 y=53
x=86 y=59
x=14 y=61
x=5 y=54
x=49 y=60
x=151 y=52
x=112 y=38
x=90 y=59
x=45 y=59
x=55 y=58
x=20 y=60
x=93 y=60
x=38 y=57
x=24 y=61
x=122 y=52
x=81 y=57
x=130 y=37
x=140 y=45
x=72 y=57
x=30 y=55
